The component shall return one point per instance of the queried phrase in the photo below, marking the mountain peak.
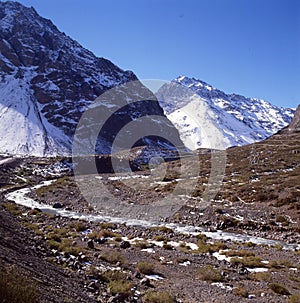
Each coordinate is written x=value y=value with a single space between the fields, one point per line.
x=239 y=119
x=47 y=82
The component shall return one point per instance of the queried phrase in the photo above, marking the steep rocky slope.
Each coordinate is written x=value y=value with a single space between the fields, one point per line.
x=48 y=80
x=196 y=107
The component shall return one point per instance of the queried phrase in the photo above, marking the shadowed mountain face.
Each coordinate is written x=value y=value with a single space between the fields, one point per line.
x=48 y=80
x=294 y=126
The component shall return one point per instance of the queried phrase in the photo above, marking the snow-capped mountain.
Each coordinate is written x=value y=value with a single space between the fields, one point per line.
x=200 y=111
x=48 y=80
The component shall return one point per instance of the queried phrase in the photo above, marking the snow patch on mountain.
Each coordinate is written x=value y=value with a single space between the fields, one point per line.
x=24 y=130
x=196 y=109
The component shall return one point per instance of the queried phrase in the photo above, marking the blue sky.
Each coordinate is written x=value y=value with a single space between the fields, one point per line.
x=250 y=47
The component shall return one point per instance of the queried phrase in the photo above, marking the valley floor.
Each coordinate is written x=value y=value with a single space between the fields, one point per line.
x=67 y=258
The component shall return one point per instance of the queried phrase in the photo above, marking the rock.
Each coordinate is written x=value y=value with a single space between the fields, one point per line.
x=145 y=282
x=90 y=244
x=102 y=240
x=58 y=205
x=125 y=244
x=137 y=274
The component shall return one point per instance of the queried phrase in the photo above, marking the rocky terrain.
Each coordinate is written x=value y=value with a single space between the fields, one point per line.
x=47 y=82
x=243 y=246
x=196 y=108
x=92 y=211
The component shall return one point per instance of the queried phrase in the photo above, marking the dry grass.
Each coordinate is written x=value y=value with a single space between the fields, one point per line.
x=146 y=268
x=279 y=289
x=209 y=273
x=15 y=288
x=152 y=296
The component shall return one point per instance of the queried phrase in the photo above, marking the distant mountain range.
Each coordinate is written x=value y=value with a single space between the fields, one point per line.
x=48 y=81
x=195 y=107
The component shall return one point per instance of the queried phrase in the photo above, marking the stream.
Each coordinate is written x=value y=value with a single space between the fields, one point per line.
x=20 y=197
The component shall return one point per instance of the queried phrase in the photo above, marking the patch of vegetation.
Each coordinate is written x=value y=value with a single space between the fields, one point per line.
x=153 y=296
x=249 y=244
x=120 y=287
x=33 y=227
x=160 y=238
x=57 y=234
x=65 y=245
x=80 y=226
x=201 y=237
x=260 y=276
x=162 y=229
x=59 y=183
x=167 y=246
x=240 y=291
x=113 y=275
x=146 y=268
x=279 y=289
x=15 y=288
x=113 y=258
x=107 y=225
x=294 y=278
x=280 y=263
x=105 y=233
x=294 y=298
x=248 y=261
x=209 y=273
x=143 y=244
x=239 y=253
x=12 y=208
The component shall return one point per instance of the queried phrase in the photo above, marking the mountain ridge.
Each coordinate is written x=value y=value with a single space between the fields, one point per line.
x=48 y=80
x=240 y=120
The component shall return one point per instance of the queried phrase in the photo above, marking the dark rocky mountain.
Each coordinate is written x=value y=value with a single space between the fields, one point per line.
x=294 y=126
x=48 y=80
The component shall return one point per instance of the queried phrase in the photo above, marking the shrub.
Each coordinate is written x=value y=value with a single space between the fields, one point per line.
x=113 y=275
x=162 y=229
x=248 y=261
x=260 y=276
x=15 y=288
x=209 y=273
x=113 y=257
x=12 y=208
x=153 y=296
x=146 y=268
x=160 y=238
x=241 y=291
x=168 y=246
x=120 y=287
x=143 y=244
x=107 y=225
x=295 y=298
x=65 y=245
x=201 y=237
x=279 y=289
x=239 y=253
x=203 y=248
x=105 y=233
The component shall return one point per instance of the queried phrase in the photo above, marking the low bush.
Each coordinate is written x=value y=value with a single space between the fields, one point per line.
x=120 y=287
x=279 y=289
x=15 y=288
x=152 y=296
x=294 y=298
x=209 y=273
x=113 y=258
x=146 y=268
